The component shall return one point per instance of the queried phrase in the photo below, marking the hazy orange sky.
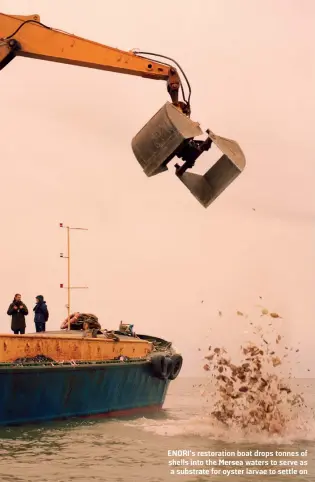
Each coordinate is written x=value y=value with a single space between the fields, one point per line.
x=152 y=253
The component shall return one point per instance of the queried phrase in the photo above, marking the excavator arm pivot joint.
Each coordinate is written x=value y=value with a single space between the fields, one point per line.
x=12 y=46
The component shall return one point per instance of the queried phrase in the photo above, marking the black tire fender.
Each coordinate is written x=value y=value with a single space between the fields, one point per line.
x=162 y=366
x=177 y=362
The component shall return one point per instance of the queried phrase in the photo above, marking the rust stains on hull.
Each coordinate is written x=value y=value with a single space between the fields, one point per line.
x=69 y=347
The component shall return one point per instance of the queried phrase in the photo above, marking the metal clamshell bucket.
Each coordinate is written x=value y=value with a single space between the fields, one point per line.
x=157 y=142
x=170 y=133
x=208 y=187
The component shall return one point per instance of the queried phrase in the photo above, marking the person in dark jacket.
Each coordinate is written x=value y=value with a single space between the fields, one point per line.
x=41 y=314
x=18 y=310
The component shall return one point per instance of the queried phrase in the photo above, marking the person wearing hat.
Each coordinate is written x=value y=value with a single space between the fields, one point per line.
x=41 y=314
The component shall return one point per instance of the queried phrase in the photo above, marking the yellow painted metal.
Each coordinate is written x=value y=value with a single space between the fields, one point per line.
x=27 y=17
x=45 y=43
x=70 y=347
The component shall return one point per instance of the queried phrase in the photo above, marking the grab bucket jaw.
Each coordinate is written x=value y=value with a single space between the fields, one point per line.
x=157 y=142
x=208 y=187
x=170 y=133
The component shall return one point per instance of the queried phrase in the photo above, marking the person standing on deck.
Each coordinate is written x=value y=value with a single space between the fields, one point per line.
x=18 y=310
x=41 y=314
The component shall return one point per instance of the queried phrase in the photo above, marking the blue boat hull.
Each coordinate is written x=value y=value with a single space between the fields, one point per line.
x=41 y=393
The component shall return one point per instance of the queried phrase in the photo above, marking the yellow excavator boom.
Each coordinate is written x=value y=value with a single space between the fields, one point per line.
x=170 y=132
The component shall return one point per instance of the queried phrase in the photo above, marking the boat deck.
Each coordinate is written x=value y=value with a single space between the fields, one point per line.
x=79 y=334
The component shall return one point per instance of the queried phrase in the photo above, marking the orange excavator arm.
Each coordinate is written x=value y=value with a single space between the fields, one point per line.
x=169 y=133
x=28 y=37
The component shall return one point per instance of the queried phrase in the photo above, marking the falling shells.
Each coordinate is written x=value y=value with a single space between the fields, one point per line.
x=251 y=395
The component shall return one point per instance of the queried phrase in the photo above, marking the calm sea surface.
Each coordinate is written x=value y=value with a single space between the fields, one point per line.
x=135 y=450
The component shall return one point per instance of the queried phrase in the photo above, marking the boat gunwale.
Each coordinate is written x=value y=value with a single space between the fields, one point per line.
x=128 y=339
x=5 y=367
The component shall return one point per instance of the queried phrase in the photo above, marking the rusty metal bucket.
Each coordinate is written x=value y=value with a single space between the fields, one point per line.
x=170 y=133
